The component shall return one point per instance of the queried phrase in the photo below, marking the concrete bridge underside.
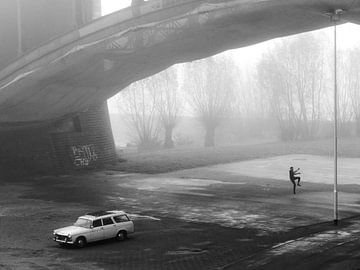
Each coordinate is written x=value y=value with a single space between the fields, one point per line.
x=89 y=65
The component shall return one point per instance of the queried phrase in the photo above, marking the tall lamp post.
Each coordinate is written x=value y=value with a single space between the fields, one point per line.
x=335 y=17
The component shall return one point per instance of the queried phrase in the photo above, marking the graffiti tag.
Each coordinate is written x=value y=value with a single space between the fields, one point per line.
x=84 y=155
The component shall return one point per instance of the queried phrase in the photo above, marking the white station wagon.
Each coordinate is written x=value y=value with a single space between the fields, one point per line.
x=94 y=227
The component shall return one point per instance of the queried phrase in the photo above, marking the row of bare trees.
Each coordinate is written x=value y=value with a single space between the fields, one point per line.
x=292 y=84
x=210 y=90
x=350 y=88
x=292 y=76
x=154 y=104
x=296 y=77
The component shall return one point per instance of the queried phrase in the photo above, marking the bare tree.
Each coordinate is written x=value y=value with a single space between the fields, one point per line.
x=293 y=76
x=275 y=88
x=164 y=87
x=210 y=88
x=345 y=112
x=349 y=90
x=250 y=108
x=139 y=105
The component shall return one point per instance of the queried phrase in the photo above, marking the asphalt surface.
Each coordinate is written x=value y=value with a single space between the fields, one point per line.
x=204 y=218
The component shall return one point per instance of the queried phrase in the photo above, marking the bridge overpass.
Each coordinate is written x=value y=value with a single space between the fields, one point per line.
x=86 y=66
x=72 y=75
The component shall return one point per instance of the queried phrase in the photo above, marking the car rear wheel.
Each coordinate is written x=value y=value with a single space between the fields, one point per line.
x=80 y=242
x=121 y=235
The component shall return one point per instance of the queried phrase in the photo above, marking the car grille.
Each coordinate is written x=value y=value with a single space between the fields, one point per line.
x=60 y=237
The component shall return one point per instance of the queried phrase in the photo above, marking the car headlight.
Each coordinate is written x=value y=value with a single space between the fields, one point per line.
x=69 y=236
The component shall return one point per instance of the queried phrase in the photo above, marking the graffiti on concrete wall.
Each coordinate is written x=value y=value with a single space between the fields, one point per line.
x=84 y=155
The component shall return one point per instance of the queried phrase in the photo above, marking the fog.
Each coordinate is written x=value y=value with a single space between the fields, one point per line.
x=279 y=90
x=199 y=178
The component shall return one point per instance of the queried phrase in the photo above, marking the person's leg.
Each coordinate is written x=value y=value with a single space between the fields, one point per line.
x=298 y=179
x=294 y=185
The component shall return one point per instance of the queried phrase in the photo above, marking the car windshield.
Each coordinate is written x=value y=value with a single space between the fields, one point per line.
x=82 y=222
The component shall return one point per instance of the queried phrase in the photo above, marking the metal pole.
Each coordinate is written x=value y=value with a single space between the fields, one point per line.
x=336 y=211
x=335 y=17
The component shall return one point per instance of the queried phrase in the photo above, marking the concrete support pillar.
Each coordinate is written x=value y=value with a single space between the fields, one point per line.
x=96 y=9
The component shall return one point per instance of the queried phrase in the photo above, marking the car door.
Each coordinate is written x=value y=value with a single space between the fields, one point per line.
x=97 y=231
x=109 y=226
x=124 y=223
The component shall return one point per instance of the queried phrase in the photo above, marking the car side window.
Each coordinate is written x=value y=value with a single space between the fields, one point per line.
x=121 y=218
x=97 y=223
x=107 y=221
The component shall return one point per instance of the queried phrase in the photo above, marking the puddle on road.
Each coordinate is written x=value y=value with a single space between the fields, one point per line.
x=122 y=199
x=111 y=174
x=244 y=240
x=186 y=251
x=140 y=217
x=175 y=184
x=226 y=213
x=170 y=183
x=230 y=218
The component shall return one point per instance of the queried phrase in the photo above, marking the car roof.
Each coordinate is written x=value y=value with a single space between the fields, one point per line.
x=97 y=214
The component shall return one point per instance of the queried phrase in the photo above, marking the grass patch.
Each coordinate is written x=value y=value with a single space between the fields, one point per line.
x=187 y=158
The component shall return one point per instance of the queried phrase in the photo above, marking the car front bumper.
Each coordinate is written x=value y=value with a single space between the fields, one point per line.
x=62 y=239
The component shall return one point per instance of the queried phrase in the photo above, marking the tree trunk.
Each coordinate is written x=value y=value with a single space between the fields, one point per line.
x=210 y=136
x=169 y=143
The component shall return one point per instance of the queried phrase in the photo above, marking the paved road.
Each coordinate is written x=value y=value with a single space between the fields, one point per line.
x=334 y=247
x=203 y=218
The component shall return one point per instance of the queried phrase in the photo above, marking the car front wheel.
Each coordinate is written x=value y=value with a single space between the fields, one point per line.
x=80 y=242
x=121 y=235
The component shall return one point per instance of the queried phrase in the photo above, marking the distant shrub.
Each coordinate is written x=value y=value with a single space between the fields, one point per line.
x=149 y=145
x=182 y=140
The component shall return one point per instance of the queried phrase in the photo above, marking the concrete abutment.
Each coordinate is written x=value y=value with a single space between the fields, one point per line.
x=76 y=142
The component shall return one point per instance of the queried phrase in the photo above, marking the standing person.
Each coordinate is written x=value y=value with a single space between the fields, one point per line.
x=293 y=177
